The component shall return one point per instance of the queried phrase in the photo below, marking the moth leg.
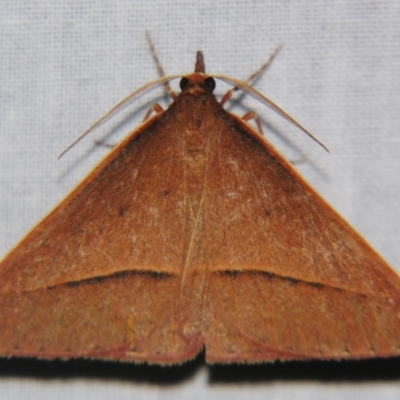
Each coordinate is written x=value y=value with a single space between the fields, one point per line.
x=254 y=75
x=155 y=108
x=252 y=115
x=160 y=69
x=227 y=96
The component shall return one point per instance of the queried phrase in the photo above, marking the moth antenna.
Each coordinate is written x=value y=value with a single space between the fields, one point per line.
x=160 y=69
x=137 y=94
x=269 y=103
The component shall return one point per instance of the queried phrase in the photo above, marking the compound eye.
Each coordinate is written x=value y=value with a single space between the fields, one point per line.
x=183 y=83
x=210 y=82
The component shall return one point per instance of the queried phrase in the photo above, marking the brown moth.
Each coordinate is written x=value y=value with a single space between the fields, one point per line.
x=193 y=233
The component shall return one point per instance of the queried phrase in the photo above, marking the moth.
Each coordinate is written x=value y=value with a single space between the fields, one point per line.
x=196 y=233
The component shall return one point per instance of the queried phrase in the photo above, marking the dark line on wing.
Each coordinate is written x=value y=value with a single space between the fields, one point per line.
x=288 y=279
x=157 y=276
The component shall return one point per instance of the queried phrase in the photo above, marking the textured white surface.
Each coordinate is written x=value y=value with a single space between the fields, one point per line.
x=63 y=64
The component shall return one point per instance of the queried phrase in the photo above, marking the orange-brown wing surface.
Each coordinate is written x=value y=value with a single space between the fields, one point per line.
x=288 y=277
x=195 y=231
x=101 y=275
